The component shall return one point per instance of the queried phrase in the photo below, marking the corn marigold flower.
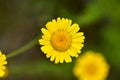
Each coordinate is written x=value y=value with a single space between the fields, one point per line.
x=61 y=40
x=2 y=63
x=91 y=66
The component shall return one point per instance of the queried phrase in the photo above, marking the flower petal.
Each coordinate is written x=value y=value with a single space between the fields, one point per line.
x=2 y=73
x=63 y=23
x=77 y=45
x=52 y=26
x=67 y=58
x=53 y=56
x=3 y=63
x=45 y=31
x=73 y=29
x=61 y=57
x=46 y=49
x=75 y=49
x=57 y=59
x=49 y=54
x=77 y=35
x=2 y=58
x=78 y=40
x=72 y=53
x=44 y=42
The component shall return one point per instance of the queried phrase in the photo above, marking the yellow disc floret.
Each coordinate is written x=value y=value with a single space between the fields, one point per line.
x=91 y=69
x=61 y=41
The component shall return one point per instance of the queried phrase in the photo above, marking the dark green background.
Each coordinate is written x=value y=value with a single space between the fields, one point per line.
x=21 y=21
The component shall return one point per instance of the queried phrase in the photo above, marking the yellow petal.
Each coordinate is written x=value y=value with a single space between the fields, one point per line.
x=67 y=58
x=46 y=49
x=52 y=26
x=2 y=67
x=45 y=31
x=61 y=23
x=58 y=19
x=75 y=49
x=64 y=23
x=77 y=45
x=67 y=24
x=49 y=54
x=53 y=56
x=57 y=59
x=44 y=42
x=46 y=37
x=73 y=29
x=77 y=35
x=80 y=39
x=3 y=63
x=0 y=53
x=2 y=73
x=2 y=58
x=72 y=53
x=61 y=57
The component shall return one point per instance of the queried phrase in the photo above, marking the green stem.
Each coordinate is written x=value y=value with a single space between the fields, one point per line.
x=24 y=48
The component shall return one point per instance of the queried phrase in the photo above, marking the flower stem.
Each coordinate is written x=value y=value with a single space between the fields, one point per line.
x=24 y=48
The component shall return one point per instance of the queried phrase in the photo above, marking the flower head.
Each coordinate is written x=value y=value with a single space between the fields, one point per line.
x=61 y=40
x=2 y=63
x=91 y=66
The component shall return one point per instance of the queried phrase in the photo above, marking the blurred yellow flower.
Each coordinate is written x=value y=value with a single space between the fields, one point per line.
x=91 y=66
x=61 y=40
x=2 y=63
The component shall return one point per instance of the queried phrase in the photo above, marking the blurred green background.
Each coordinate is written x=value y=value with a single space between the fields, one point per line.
x=21 y=21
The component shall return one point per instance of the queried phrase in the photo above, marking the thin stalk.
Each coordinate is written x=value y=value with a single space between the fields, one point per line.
x=24 y=48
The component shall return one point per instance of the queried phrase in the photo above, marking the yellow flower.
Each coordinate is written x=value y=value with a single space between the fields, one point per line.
x=61 y=40
x=91 y=66
x=2 y=63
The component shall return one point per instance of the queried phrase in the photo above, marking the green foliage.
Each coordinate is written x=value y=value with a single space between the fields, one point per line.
x=89 y=14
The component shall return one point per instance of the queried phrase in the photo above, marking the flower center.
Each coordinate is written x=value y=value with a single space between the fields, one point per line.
x=61 y=40
x=91 y=69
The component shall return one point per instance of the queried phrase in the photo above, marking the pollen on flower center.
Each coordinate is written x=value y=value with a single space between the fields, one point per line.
x=91 y=69
x=61 y=40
